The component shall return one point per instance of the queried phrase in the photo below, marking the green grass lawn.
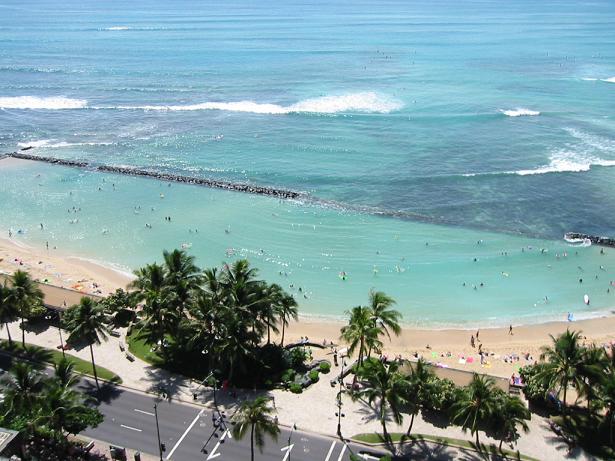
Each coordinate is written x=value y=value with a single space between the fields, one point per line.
x=139 y=348
x=401 y=437
x=52 y=356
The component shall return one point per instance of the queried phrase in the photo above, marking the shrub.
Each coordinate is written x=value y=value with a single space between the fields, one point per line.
x=288 y=376
x=443 y=393
x=535 y=390
x=324 y=367
x=314 y=376
x=297 y=358
x=296 y=388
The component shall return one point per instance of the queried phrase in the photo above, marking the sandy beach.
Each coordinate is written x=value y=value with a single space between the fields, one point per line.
x=447 y=347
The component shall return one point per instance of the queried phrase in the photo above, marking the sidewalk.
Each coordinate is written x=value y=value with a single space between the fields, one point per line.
x=313 y=410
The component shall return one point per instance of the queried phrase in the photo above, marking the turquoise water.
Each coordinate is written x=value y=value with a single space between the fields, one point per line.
x=472 y=121
x=308 y=248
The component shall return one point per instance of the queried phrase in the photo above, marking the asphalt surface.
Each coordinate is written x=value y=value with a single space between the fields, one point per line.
x=191 y=432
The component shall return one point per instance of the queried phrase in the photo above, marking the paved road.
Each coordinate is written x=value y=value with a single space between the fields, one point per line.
x=185 y=430
x=191 y=433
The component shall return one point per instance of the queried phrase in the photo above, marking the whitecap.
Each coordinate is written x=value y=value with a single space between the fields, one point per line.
x=609 y=80
x=117 y=28
x=519 y=112
x=50 y=144
x=366 y=102
x=48 y=103
x=568 y=162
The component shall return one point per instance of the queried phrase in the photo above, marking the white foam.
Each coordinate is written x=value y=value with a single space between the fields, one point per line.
x=367 y=102
x=520 y=112
x=609 y=80
x=50 y=144
x=589 y=79
x=34 y=102
x=566 y=161
x=117 y=28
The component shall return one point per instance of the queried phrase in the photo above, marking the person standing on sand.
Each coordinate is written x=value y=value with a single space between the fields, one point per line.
x=510 y=330
x=477 y=332
x=472 y=341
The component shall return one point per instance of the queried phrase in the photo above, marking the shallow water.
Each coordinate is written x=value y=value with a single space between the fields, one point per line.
x=308 y=248
x=491 y=116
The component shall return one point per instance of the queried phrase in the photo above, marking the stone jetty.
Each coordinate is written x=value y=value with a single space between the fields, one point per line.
x=168 y=177
x=603 y=241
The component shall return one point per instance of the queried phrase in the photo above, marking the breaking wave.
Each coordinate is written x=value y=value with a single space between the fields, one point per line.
x=577 y=157
x=609 y=80
x=51 y=144
x=34 y=102
x=519 y=112
x=367 y=102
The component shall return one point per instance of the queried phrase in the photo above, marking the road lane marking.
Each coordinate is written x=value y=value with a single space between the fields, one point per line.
x=144 y=412
x=342 y=452
x=288 y=449
x=181 y=439
x=330 y=451
x=213 y=453
x=131 y=428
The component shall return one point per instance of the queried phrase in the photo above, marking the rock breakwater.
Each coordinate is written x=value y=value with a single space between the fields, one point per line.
x=162 y=176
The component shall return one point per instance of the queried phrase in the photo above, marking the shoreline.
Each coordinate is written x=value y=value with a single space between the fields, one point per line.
x=448 y=347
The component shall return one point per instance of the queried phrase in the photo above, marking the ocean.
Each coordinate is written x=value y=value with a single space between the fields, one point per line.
x=425 y=134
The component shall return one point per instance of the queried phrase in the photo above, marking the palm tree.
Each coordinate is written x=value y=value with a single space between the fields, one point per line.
x=592 y=370
x=509 y=414
x=383 y=315
x=25 y=295
x=157 y=315
x=608 y=400
x=475 y=406
x=64 y=373
x=360 y=331
x=182 y=276
x=22 y=385
x=564 y=359
x=8 y=310
x=384 y=384
x=87 y=322
x=287 y=311
x=255 y=416
x=416 y=391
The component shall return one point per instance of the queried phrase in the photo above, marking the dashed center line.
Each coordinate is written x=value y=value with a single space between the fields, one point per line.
x=144 y=412
x=131 y=428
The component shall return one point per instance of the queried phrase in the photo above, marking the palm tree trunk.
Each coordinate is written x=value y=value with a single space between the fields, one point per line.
x=268 y=331
x=501 y=441
x=23 y=333
x=8 y=332
x=361 y=352
x=477 y=441
x=383 y=421
x=283 y=328
x=565 y=390
x=411 y=423
x=252 y=442
x=94 y=367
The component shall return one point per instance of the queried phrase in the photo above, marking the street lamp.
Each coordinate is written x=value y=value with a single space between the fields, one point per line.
x=60 y=331
x=339 y=413
x=158 y=430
